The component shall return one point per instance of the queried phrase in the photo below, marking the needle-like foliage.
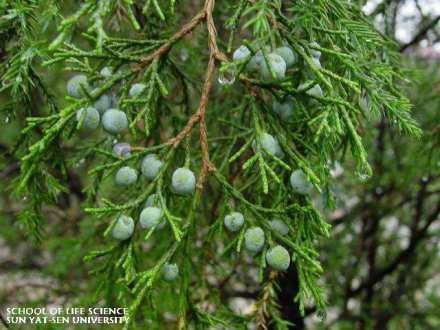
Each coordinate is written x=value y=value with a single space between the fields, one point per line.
x=198 y=109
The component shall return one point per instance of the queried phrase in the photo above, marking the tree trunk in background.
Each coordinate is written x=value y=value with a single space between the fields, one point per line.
x=289 y=287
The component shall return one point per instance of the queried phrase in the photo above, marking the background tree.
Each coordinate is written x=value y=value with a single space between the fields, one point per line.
x=387 y=264
x=257 y=138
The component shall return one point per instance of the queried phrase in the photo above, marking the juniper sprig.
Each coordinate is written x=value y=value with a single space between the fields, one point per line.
x=278 y=104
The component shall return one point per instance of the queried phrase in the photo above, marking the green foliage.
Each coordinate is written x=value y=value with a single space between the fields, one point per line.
x=385 y=247
x=214 y=158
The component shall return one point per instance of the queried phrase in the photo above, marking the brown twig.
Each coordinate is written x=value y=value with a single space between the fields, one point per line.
x=212 y=32
x=206 y=163
x=199 y=115
x=205 y=13
x=262 y=312
x=187 y=28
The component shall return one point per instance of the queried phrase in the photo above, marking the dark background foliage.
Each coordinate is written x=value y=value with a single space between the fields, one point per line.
x=380 y=262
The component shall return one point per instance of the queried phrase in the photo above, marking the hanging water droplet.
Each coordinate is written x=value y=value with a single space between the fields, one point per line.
x=425 y=179
x=226 y=77
x=363 y=175
x=184 y=54
x=364 y=172
x=7 y=119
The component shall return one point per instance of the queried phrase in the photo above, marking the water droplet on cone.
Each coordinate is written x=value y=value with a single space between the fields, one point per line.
x=226 y=77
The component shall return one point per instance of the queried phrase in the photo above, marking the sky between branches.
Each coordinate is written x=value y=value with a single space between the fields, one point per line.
x=408 y=18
